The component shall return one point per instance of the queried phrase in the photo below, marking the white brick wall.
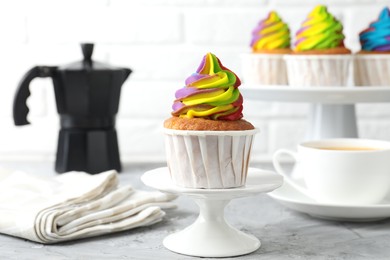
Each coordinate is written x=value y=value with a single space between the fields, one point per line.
x=163 y=42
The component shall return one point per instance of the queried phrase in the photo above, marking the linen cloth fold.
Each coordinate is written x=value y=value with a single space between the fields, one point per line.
x=74 y=205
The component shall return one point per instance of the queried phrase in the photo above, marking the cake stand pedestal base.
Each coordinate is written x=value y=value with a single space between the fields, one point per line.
x=331 y=121
x=210 y=235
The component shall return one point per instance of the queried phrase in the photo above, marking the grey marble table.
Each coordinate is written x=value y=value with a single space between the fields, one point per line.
x=284 y=234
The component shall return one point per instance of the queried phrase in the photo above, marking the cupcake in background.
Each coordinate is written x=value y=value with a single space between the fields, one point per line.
x=208 y=144
x=270 y=42
x=372 y=63
x=319 y=56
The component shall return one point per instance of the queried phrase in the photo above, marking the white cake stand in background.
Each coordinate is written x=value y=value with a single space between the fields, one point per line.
x=332 y=111
x=210 y=235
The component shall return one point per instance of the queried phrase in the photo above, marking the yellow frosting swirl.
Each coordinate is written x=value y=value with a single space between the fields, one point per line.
x=270 y=34
x=321 y=30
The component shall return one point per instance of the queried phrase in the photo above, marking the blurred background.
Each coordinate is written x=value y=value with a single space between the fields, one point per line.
x=163 y=41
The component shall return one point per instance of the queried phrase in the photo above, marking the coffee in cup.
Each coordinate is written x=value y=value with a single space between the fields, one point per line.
x=347 y=148
x=343 y=171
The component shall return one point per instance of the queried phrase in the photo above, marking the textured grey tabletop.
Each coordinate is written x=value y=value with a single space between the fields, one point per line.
x=284 y=234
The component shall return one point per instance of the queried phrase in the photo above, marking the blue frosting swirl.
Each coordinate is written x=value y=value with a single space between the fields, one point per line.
x=377 y=36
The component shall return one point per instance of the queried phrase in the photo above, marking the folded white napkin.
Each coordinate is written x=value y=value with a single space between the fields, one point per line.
x=74 y=205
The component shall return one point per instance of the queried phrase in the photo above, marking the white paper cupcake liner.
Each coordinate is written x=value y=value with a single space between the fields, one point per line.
x=264 y=69
x=372 y=69
x=318 y=70
x=208 y=159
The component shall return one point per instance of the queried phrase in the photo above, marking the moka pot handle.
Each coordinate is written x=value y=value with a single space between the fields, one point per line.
x=20 y=109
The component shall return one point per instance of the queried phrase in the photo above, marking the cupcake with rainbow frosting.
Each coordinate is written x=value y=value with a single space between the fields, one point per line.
x=270 y=42
x=319 y=56
x=208 y=143
x=372 y=63
x=271 y=35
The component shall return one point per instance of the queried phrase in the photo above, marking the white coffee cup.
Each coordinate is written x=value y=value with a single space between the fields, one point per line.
x=341 y=171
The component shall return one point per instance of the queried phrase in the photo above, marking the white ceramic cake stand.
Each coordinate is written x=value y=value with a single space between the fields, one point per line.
x=210 y=235
x=332 y=110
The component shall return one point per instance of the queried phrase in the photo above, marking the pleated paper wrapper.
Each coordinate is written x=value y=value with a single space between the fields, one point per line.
x=372 y=69
x=318 y=70
x=208 y=159
x=264 y=69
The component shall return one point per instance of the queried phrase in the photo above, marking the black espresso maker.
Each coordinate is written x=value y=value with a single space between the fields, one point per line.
x=87 y=95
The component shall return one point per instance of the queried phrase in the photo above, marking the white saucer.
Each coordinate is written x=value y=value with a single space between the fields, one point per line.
x=210 y=235
x=293 y=199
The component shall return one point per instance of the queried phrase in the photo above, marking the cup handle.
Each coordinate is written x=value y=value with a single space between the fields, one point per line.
x=279 y=169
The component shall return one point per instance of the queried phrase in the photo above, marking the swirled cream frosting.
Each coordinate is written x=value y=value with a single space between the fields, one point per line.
x=271 y=33
x=210 y=93
x=320 y=31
